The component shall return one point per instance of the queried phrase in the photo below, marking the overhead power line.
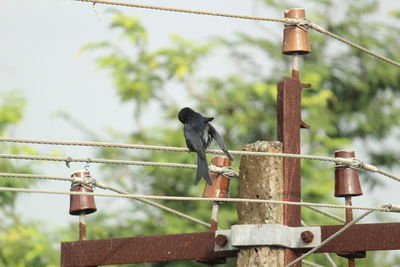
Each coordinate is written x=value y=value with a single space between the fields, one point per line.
x=44 y=177
x=303 y=22
x=382 y=208
x=345 y=161
x=348 y=162
x=192 y=11
x=226 y=171
x=104 y=161
x=328 y=214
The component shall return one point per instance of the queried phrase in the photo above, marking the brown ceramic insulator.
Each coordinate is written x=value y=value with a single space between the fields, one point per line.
x=220 y=184
x=347 y=181
x=81 y=204
x=295 y=37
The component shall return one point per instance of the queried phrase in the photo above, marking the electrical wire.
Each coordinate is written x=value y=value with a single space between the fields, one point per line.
x=354 y=163
x=103 y=161
x=192 y=11
x=43 y=177
x=226 y=171
x=328 y=214
x=352 y=44
x=383 y=208
x=287 y=21
x=347 y=162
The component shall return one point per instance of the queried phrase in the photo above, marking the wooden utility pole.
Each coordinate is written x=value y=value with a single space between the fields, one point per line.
x=262 y=178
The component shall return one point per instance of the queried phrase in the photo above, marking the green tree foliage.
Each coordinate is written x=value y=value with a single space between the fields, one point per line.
x=354 y=97
x=22 y=243
x=11 y=113
x=26 y=245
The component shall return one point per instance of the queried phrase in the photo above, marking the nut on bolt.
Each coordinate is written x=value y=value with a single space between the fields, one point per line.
x=307 y=236
x=221 y=240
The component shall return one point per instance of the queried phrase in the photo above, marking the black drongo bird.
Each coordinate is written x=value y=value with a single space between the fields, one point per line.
x=198 y=135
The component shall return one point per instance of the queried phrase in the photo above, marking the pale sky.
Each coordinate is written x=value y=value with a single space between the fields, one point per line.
x=39 y=44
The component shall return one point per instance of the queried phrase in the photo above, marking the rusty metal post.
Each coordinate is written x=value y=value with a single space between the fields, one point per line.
x=82 y=226
x=349 y=218
x=289 y=122
x=295 y=43
x=214 y=216
x=218 y=189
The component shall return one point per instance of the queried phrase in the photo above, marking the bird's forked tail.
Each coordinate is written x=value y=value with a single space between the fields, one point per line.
x=202 y=171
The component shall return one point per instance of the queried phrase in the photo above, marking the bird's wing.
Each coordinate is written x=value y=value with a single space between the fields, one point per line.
x=207 y=119
x=215 y=135
x=193 y=141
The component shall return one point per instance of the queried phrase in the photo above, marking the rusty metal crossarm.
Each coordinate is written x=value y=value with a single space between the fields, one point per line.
x=360 y=237
x=141 y=249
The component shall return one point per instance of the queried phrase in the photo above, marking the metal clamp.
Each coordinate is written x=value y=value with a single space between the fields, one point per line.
x=267 y=235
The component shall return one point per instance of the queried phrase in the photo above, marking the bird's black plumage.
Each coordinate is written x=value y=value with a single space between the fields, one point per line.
x=198 y=135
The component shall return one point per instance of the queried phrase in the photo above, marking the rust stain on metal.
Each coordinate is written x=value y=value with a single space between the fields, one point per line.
x=362 y=237
x=221 y=240
x=307 y=236
x=349 y=212
x=214 y=226
x=141 y=249
x=289 y=134
x=82 y=231
x=289 y=124
x=220 y=184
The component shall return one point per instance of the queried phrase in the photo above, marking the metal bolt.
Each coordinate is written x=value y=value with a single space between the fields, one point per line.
x=307 y=236
x=221 y=240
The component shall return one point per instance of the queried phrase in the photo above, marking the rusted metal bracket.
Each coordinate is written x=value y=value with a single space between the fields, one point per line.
x=245 y=235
